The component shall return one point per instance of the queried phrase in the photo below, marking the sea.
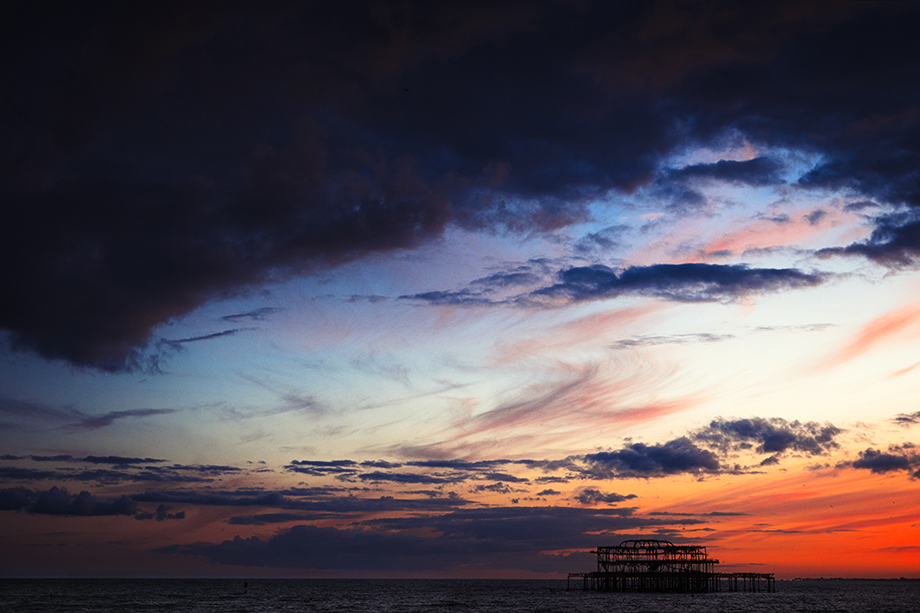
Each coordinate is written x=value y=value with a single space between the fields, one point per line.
x=435 y=596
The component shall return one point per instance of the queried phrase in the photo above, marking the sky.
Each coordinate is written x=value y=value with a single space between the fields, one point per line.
x=414 y=289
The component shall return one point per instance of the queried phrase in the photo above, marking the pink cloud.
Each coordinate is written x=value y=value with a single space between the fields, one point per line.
x=576 y=332
x=765 y=233
x=886 y=328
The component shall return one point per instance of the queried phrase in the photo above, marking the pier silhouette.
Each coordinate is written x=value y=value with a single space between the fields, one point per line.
x=662 y=566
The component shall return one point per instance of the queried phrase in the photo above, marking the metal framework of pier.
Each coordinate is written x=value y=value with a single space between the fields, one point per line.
x=662 y=566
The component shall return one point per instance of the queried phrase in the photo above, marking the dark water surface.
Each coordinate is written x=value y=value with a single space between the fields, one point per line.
x=433 y=596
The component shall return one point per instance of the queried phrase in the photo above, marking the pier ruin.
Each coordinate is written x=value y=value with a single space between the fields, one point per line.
x=662 y=566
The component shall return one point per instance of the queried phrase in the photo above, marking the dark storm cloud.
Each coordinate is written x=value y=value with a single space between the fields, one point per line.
x=896 y=458
x=759 y=171
x=602 y=241
x=459 y=470
x=259 y=314
x=12 y=473
x=495 y=488
x=161 y=514
x=814 y=218
x=681 y=282
x=155 y=157
x=14 y=498
x=894 y=242
x=482 y=465
x=99 y=476
x=373 y=299
x=907 y=419
x=861 y=205
x=320 y=468
x=880 y=462
x=504 y=477
x=92 y=459
x=780 y=220
x=773 y=435
x=592 y=496
x=314 y=503
x=115 y=460
x=276 y=518
x=407 y=478
x=123 y=470
x=177 y=344
x=693 y=282
x=210 y=469
x=52 y=458
x=680 y=455
x=505 y=537
x=268 y=499
x=381 y=464
x=58 y=501
x=507 y=279
x=446 y=471
x=463 y=297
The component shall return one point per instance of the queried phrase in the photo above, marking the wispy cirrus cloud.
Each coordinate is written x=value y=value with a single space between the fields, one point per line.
x=107 y=419
x=33 y=414
x=548 y=412
x=889 y=327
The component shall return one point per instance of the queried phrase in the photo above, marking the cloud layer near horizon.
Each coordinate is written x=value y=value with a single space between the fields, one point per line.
x=710 y=450
x=433 y=515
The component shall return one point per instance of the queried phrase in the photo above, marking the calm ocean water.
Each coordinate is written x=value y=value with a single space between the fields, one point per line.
x=431 y=596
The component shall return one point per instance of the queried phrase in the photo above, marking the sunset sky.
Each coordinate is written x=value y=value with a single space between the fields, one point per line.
x=427 y=289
